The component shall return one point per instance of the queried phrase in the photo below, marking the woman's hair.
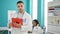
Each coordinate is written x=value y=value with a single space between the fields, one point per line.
x=37 y=22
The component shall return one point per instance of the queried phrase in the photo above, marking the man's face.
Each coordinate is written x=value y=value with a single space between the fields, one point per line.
x=20 y=6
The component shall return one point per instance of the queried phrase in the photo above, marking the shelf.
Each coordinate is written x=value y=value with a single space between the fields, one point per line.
x=55 y=12
x=53 y=16
x=54 y=28
x=54 y=4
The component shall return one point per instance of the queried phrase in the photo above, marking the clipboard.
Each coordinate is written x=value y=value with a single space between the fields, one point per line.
x=18 y=21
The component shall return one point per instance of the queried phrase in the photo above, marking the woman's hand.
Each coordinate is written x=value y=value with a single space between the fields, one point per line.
x=29 y=31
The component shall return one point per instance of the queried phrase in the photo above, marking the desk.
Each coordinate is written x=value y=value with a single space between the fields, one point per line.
x=4 y=30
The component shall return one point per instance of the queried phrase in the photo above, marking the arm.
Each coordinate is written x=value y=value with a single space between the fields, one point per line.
x=10 y=25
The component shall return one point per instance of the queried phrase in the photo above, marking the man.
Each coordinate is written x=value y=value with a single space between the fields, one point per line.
x=27 y=22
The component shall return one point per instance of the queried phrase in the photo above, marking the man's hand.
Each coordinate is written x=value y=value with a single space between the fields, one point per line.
x=18 y=25
x=10 y=25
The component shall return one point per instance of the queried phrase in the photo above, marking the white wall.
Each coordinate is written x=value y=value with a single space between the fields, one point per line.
x=34 y=9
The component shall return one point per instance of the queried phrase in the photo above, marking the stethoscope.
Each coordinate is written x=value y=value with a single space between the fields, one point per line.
x=19 y=15
x=24 y=19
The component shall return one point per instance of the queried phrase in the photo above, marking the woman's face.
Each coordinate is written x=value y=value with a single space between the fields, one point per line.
x=34 y=23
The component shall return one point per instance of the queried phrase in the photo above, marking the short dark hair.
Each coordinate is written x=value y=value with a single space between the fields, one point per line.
x=20 y=2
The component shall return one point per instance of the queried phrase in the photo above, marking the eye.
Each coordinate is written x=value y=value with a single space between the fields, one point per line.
x=18 y=6
x=21 y=5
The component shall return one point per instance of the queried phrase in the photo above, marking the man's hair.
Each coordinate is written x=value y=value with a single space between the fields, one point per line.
x=20 y=2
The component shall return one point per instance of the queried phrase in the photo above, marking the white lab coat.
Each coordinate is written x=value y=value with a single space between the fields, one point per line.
x=27 y=24
x=37 y=30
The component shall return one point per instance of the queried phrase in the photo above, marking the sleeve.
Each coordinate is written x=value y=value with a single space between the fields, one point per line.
x=40 y=30
x=14 y=15
x=9 y=22
x=29 y=24
x=10 y=18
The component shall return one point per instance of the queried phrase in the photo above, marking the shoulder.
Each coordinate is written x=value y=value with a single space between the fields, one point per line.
x=27 y=15
x=15 y=14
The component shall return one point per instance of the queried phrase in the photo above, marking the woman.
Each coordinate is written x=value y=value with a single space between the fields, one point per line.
x=36 y=27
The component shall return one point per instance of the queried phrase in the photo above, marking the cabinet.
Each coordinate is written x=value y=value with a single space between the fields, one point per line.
x=53 y=25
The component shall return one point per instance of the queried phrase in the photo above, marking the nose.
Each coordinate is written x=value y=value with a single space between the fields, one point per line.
x=19 y=7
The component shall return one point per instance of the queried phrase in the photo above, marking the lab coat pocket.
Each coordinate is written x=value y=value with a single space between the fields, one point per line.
x=24 y=28
x=24 y=21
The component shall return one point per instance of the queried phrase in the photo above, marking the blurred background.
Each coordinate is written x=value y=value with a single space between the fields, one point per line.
x=53 y=17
